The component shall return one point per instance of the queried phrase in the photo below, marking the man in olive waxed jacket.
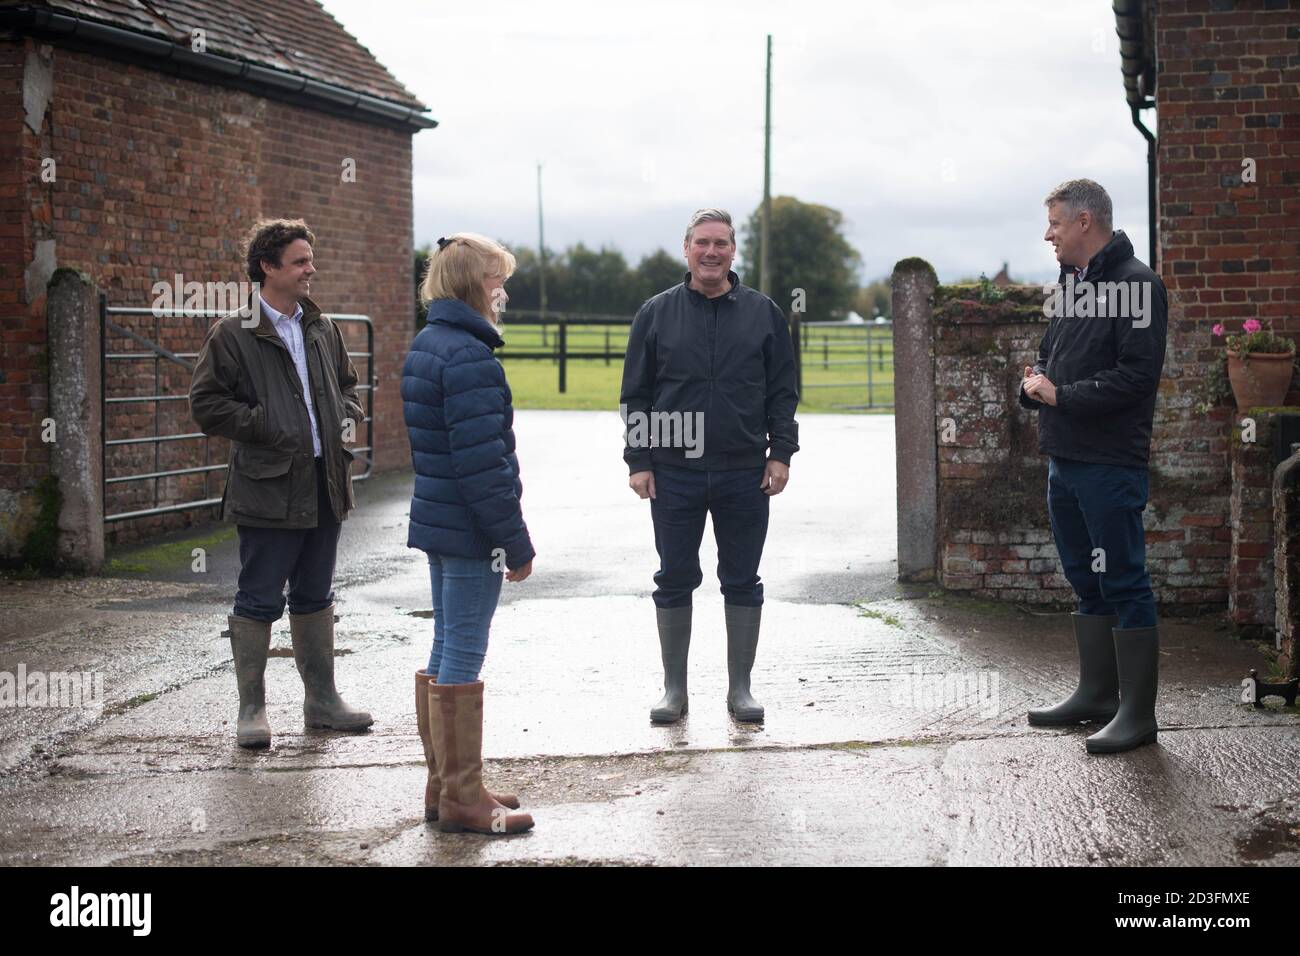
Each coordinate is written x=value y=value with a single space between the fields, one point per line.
x=278 y=383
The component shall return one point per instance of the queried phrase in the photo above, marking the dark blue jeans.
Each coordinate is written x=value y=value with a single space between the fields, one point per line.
x=739 y=509
x=304 y=557
x=1100 y=507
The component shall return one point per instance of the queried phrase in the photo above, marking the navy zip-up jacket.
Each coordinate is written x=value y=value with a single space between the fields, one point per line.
x=1106 y=370
x=459 y=418
x=729 y=358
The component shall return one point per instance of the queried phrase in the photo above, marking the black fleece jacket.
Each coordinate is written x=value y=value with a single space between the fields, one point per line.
x=1106 y=369
x=729 y=358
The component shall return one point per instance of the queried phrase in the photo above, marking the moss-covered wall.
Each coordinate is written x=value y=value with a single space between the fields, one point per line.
x=994 y=534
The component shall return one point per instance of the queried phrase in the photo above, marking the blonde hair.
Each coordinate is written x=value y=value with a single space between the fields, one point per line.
x=457 y=268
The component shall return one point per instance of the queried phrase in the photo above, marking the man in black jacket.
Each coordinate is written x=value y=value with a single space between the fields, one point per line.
x=1094 y=386
x=708 y=400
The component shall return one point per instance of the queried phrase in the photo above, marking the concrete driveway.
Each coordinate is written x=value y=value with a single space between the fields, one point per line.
x=895 y=727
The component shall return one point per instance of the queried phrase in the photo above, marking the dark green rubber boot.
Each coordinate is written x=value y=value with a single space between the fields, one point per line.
x=742 y=646
x=250 y=643
x=1097 y=696
x=313 y=652
x=1137 y=654
x=674 y=647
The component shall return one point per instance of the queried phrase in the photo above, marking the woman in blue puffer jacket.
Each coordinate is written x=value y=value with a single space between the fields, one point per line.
x=465 y=516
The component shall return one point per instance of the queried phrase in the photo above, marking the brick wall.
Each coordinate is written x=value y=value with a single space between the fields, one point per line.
x=24 y=459
x=994 y=537
x=1251 y=578
x=158 y=175
x=1228 y=90
x=1286 y=561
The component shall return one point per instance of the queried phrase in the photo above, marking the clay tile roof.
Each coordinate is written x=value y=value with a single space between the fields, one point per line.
x=296 y=36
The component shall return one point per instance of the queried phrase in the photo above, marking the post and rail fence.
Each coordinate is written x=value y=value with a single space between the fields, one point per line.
x=837 y=346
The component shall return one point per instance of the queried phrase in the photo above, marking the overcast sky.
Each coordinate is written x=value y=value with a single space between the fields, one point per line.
x=936 y=127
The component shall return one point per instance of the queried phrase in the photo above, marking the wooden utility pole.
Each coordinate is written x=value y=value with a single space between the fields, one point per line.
x=765 y=233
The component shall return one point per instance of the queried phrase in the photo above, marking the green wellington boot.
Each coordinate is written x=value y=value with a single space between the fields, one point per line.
x=742 y=645
x=1137 y=657
x=1096 y=698
x=250 y=642
x=674 y=647
x=313 y=652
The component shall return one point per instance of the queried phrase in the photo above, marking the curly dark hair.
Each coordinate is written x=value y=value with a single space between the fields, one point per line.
x=267 y=239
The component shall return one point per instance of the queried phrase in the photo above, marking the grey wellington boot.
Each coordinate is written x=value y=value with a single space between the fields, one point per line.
x=742 y=645
x=250 y=641
x=1096 y=698
x=313 y=652
x=674 y=647
x=1137 y=655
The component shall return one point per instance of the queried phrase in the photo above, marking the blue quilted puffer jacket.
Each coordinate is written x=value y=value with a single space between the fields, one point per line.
x=458 y=416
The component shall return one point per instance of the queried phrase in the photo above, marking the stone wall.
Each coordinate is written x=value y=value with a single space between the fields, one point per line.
x=993 y=538
x=1286 y=561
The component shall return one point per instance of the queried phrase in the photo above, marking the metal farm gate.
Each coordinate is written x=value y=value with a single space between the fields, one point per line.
x=150 y=350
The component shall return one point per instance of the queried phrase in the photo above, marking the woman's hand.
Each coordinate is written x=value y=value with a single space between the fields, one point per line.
x=518 y=574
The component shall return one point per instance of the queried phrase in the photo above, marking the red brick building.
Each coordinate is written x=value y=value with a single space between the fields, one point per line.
x=139 y=141
x=1224 y=79
x=1214 y=85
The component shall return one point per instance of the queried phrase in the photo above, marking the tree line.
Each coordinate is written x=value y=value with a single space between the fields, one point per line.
x=809 y=252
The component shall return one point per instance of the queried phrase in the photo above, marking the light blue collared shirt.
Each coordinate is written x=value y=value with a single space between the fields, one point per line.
x=289 y=328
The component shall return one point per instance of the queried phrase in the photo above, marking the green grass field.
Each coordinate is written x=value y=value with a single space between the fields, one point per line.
x=593 y=385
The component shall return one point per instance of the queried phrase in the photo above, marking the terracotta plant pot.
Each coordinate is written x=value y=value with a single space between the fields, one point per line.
x=1261 y=380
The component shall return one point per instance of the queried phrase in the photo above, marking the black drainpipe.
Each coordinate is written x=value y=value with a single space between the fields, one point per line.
x=1151 y=184
x=1135 y=26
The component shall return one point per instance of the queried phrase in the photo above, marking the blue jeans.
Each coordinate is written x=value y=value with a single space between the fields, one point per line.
x=739 y=508
x=465 y=594
x=1100 y=507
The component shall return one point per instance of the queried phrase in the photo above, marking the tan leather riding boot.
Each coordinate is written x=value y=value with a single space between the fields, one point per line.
x=432 y=785
x=456 y=720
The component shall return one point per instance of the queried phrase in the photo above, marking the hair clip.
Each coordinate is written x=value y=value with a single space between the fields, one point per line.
x=444 y=243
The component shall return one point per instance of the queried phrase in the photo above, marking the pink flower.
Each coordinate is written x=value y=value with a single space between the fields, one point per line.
x=1252 y=325
x=1218 y=330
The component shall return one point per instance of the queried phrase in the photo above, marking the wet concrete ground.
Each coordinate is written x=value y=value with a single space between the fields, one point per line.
x=895 y=727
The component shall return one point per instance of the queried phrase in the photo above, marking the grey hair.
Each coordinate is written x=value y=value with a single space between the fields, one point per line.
x=710 y=215
x=1083 y=194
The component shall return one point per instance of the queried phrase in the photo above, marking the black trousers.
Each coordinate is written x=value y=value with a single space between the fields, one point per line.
x=301 y=557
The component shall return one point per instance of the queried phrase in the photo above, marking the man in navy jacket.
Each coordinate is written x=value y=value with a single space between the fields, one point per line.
x=1094 y=386
x=708 y=399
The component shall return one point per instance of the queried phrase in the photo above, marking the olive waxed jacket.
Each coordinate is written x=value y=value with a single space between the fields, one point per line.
x=246 y=388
